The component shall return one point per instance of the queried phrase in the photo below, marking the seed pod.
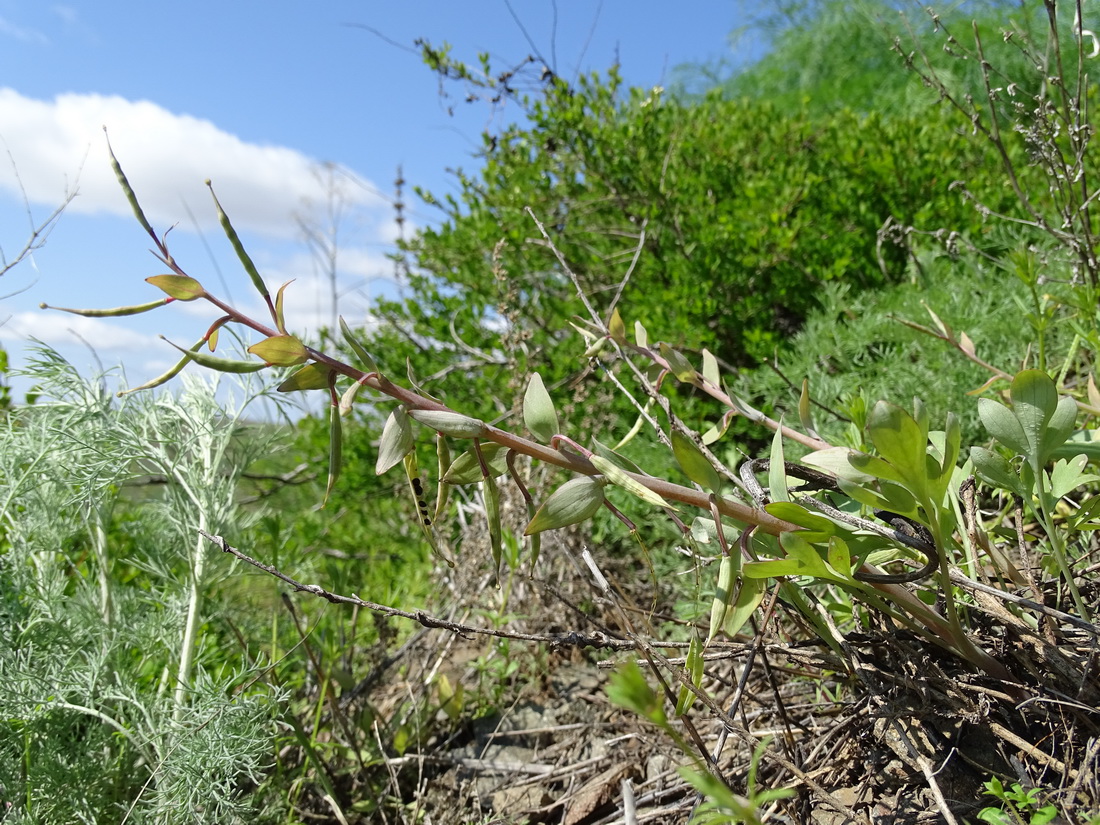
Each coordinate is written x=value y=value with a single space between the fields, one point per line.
x=491 y=493
x=358 y=348
x=116 y=312
x=335 y=449
x=443 y=491
x=166 y=377
x=723 y=595
x=127 y=189
x=213 y=362
x=238 y=247
x=620 y=479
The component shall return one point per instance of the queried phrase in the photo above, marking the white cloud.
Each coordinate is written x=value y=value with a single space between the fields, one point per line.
x=62 y=329
x=58 y=144
x=67 y=14
x=9 y=29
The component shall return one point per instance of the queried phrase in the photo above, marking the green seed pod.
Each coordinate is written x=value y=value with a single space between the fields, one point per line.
x=466 y=469
x=116 y=312
x=538 y=410
x=358 y=348
x=166 y=377
x=723 y=594
x=443 y=491
x=127 y=189
x=238 y=247
x=213 y=362
x=335 y=449
x=309 y=377
x=491 y=493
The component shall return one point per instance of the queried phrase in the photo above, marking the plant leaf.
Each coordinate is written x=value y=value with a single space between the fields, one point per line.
x=1003 y=425
x=309 y=377
x=357 y=347
x=467 y=470
x=994 y=470
x=180 y=287
x=396 y=442
x=903 y=442
x=1034 y=400
x=450 y=423
x=1059 y=428
x=620 y=479
x=678 y=364
x=1068 y=475
x=575 y=501
x=280 y=351
x=538 y=410
x=694 y=464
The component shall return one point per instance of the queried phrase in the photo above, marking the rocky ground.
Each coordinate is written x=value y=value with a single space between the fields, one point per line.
x=885 y=730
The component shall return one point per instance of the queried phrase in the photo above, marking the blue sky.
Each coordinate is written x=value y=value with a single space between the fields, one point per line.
x=258 y=97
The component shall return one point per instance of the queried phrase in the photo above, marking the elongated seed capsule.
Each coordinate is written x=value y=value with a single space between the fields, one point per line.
x=443 y=491
x=492 y=512
x=166 y=377
x=116 y=312
x=205 y=359
x=238 y=247
x=335 y=449
x=128 y=190
x=412 y=472
x=723 y=595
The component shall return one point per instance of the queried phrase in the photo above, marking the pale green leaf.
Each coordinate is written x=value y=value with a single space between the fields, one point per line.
x=620 y=479
x=575 y=501
x=679 y=365
x=280 y=350
x=396 y=441
x=538 y=410
x=466 y=469
x=450 y=423
x=309 y=377
x=1003 y=425
x=180 y=287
